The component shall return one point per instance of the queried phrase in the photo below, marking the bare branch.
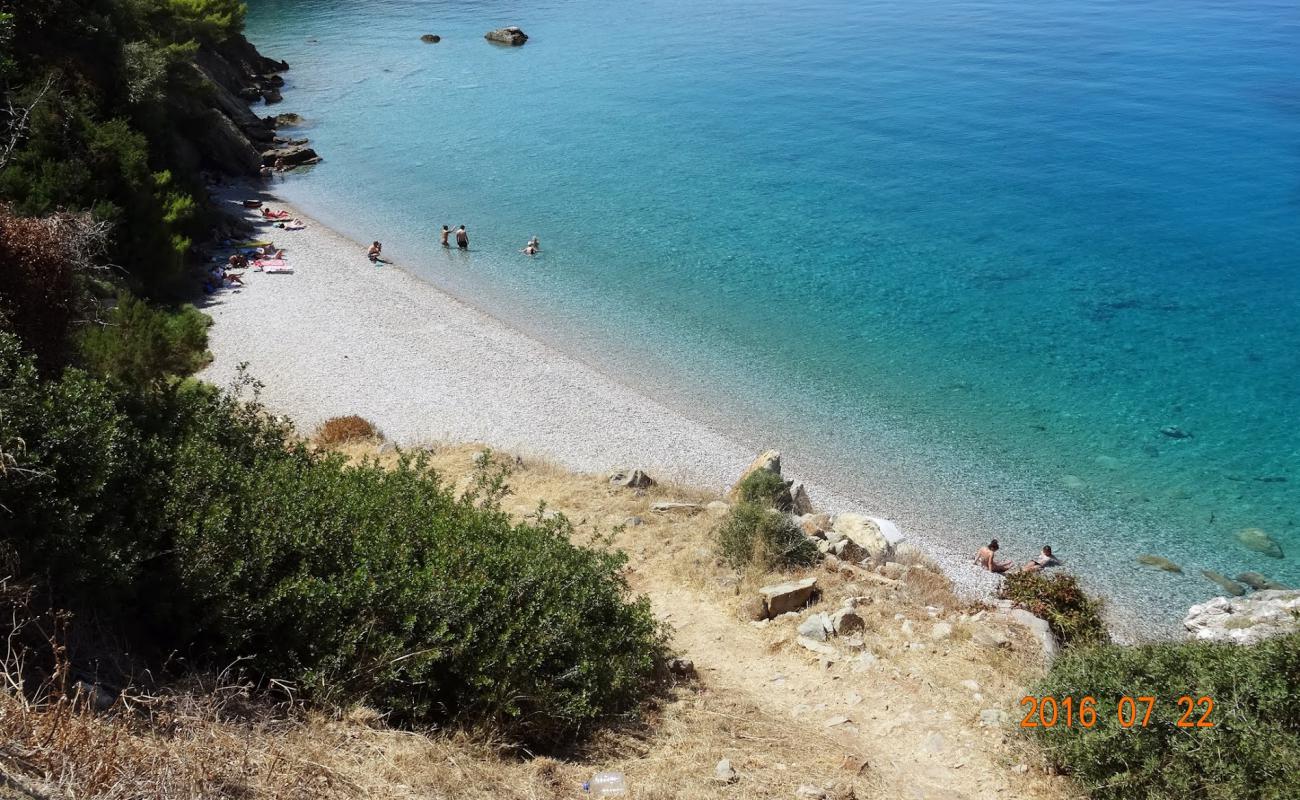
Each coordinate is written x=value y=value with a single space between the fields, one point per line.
x=19 y=119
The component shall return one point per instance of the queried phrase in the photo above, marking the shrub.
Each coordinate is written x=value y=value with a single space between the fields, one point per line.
x=1075 y=618
x=767 y=489
x=140 y=345
x=339 y=430
x=189 y=522
x=753 y=534
x=39 y=295
x=1251 y=753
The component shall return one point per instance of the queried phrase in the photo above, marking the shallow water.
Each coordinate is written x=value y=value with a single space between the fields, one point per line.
x=964 y=260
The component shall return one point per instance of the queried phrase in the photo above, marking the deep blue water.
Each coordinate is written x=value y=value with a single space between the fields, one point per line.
x=967 y=259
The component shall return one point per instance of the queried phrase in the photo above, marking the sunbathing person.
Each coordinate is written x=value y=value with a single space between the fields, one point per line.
x=986 y=560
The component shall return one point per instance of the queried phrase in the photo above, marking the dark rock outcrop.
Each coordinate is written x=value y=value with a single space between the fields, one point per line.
x=510 y=35
x=295 y=156
x=430 y=38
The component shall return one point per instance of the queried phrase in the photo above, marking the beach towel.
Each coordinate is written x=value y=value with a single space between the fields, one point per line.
x=277 y=215
x=274 y=266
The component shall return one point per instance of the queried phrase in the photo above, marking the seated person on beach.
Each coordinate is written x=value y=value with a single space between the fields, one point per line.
x=373 y=253
x=985 y=558
x=1043 y=560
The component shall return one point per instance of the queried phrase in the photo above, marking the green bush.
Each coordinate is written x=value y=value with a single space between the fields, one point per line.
x=1251 y=753
x=190 y=522
x=140 y=345
x=1074 y=617
x=765 y=488
x=754 y=534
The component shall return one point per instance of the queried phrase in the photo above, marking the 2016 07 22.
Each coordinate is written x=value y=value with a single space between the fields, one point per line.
x=1130 y=712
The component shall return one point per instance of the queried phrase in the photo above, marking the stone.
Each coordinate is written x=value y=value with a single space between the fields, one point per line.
x=820 y=648
x=815 y=525
x=294 y=156
x=768 y=461
x=992 y=638
x=286 y=120
x=846 y=621
x=941 y=631
x=848 y=550
x=510 y=35
x=970 y=685
x=724 y=773
x=789 y=596
x=993 y=718
x=836 y=721
x=934 y=743
x=808 y=791
x=431 y=38
x=1227 y=584
x=665 y=507
x=854 y=763
x=753 y=609
x=632 y=522
x=717 y=508
x=683 y=668
x=906 y=628
x=631 y=479
x=1158 y=562
x=800 y=503
x=1039 y=628
x=864 y=662
x=865 y=532
x=1175 y=432
x=816 y=627
x=893 y=570
x=1256 y=580
x=1245 y=620
x=1259 y=541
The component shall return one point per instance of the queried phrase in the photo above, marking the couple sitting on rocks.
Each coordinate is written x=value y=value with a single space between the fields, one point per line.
x=985 y=559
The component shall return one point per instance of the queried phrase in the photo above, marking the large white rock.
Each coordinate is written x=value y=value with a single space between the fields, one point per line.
x=871 y=534
x=1245 y=620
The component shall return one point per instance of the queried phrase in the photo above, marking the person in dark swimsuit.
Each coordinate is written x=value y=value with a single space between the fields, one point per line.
x=462 y=238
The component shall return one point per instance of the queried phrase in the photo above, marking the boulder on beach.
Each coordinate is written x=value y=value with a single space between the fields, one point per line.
x=510 y=35
x=1259 y=541
x=430 y=38
x=1224 y=582
x=631 y=479
x=767 y=461
x=1158 y=562
x=867 y=533
x=800 y=502
x=1245 y=620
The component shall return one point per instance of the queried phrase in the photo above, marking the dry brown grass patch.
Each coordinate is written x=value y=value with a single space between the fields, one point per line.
x=341 y=430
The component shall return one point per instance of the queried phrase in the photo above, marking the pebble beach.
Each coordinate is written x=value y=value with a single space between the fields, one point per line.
x=341 y=336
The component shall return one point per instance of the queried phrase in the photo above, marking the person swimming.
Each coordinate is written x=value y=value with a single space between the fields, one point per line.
x=986 y=560
x=530 y=249
x=535 y=244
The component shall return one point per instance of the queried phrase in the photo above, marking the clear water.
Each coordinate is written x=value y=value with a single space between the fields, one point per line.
x=964 y=259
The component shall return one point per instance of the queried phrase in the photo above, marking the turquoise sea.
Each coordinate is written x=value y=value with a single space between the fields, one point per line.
x=965 y=259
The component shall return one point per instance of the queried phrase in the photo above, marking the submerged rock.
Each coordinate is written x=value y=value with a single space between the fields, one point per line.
x=510 y=35
x=1259 y=541
x=1258 y=581
x=1158 y=562
x=1175 y=432
x=1230 y=586
x=1245 y=620
x=430 y=38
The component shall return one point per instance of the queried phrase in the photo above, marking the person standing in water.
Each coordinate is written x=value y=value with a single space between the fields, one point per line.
x=462 y=238
x=445 y=233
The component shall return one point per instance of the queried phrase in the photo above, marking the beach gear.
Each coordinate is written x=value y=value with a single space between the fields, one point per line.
x=274 y=266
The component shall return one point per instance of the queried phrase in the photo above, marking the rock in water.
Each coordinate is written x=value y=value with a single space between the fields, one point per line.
x=1175 y=432
x=1245 y=620
x=1259 y=541
x=1230 y=586
x=1258 y=581
x=430 y=38
x=1159 y=562
x=511 y=36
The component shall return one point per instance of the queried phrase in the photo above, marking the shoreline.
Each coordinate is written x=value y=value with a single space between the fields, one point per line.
x=343 y=336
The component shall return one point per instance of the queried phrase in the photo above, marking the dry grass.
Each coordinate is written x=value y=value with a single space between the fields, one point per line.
x=341 y=430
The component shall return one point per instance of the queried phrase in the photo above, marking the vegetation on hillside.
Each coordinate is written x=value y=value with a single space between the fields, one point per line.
x=1251 y=752
x=1073 y=615
x=754 y=534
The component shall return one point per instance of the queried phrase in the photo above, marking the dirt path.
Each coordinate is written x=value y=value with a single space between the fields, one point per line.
x=922 y=739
